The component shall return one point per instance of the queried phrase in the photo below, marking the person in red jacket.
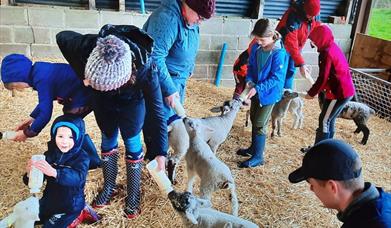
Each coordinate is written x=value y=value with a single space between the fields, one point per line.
x=240 y=70
x=334 y=79
x=295 y=26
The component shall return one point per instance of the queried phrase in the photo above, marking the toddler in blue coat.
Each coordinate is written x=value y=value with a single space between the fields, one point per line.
x=52 y=81
x=65 y=168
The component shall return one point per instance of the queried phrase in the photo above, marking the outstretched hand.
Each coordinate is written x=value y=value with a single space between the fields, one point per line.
x=25 y=124
x=161 y=163
x=20 y=136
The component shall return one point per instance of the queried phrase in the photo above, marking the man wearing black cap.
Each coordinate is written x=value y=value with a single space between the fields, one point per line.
x=333 y=170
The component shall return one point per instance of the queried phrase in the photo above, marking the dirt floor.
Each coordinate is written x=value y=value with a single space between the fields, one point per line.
x=265 y=194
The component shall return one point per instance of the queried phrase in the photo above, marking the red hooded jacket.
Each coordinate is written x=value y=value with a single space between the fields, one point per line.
x=295 y=28
x=334 y=74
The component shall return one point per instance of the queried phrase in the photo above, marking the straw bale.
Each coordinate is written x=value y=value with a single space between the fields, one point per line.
x=265 y=195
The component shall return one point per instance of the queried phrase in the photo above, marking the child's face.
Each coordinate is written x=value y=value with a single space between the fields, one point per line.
x=264 y=42
x=16 y=86
x=64 y=139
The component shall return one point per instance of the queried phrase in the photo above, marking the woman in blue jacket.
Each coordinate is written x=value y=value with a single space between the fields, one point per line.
x=174 y=26
x=115 y=64
x=52 y=81
x=266 y=69
x=65 y=168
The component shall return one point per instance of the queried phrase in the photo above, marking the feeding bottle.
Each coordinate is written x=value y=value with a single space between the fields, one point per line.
x=160 y=177
x=7 y=135
x=36 y=176
x=179 y=110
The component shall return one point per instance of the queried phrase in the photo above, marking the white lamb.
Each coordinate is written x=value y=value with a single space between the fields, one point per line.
x=196 y=212
x=201 y=161
x=179 y=139
x=292 y=102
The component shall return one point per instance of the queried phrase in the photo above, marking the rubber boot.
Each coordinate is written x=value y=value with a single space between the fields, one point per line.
x=87 y=215
x=110 y=171
x=257 y=157
x=247 y=152
x=320 y=136
x=133 y=177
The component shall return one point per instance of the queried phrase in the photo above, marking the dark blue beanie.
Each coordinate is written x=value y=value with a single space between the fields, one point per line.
x=16 y=68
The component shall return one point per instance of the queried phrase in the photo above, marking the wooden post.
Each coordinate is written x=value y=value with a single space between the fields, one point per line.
x=122 y=5
x=91 y=5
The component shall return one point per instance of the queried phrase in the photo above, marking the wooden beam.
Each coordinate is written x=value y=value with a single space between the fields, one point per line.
x=91 y=5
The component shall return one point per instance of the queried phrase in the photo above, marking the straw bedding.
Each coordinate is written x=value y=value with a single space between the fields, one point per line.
x=265 y=195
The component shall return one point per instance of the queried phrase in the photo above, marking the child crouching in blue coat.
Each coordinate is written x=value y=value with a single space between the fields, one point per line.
x=266 y=69
x=52 y=81
x=65 y=168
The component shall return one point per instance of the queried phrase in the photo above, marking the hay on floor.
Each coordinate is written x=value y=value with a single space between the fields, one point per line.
x=266 y=197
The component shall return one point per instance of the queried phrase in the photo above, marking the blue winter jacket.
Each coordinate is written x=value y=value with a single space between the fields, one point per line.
x=65 y=193
x=175 y=45
x=371 y=209
x=270 y=79
x=52 y=81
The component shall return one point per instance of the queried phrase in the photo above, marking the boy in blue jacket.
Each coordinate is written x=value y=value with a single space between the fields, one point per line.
x=266 y=69
x=65 y=168
x=52 y=81
x=333 y=170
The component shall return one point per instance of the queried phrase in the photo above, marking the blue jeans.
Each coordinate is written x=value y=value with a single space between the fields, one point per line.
x=290 y=72
x=133 y=146
x=330 y=111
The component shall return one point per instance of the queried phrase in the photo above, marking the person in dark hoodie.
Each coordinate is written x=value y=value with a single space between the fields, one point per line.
x=334 y=79
x=333 y=170
x=65 y=168
x=115 y=63
x=52 y=81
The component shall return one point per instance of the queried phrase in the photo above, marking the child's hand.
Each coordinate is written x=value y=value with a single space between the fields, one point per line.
x=46 y=168
x=24 y=124
x=308 y=97
x=251 y=93
x=20 y=136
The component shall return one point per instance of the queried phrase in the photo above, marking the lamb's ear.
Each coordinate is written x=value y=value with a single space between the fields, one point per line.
x=169 y=128
x=295 y=94
x=190 y=217
x=203 y=203
x=216 y=109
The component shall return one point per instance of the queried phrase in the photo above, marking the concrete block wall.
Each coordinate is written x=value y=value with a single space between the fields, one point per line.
x=31 y=31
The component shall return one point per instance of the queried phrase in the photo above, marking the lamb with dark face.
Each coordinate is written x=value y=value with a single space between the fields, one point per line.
x=196 y=212
x=356 y=111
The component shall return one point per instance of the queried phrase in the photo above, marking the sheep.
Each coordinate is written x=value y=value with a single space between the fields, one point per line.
x=201 y=161
x=179 y=139
x=356 y=111
x=292 y=102
x=196 y=212
x=24 y=215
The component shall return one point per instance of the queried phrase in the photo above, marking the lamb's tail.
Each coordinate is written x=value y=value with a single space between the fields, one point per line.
x=234 y=199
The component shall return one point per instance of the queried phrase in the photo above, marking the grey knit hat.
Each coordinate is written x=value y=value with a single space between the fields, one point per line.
x=109 y=65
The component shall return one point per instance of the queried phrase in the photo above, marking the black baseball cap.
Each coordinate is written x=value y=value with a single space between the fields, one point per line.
x=329 y=159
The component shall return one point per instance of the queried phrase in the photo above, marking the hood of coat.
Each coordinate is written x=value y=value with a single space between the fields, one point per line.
x=77 y=126
x=322 y=37
x=16 y=68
